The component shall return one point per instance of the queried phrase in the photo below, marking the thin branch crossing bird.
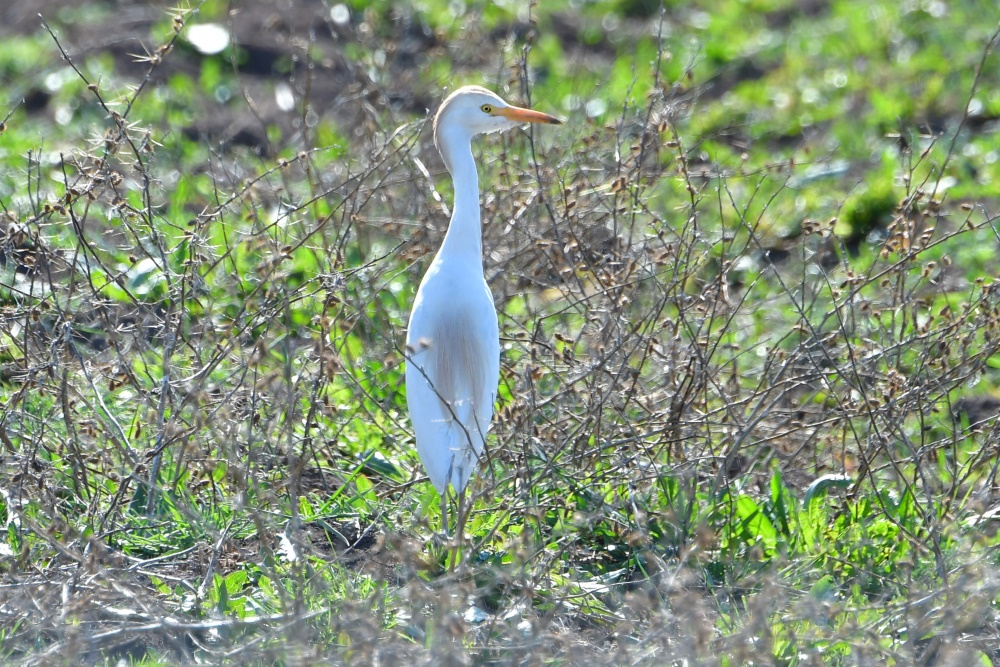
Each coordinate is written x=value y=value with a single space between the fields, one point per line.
x=453 y=339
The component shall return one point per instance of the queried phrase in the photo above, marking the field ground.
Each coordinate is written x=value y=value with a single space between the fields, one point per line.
x=749 y=317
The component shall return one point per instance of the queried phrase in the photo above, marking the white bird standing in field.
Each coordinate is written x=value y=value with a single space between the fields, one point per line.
x=453 y=340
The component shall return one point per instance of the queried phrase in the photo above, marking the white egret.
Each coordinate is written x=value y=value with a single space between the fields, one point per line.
x=453 y=340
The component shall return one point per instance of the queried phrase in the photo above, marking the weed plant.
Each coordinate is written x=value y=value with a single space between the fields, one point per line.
x=749 y=318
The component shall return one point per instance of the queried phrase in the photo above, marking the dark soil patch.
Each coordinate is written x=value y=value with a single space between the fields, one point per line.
x=294 y=42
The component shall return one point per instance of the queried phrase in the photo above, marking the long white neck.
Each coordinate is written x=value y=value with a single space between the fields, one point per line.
x=465 y=233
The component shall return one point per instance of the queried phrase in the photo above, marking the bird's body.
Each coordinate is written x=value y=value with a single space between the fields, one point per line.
x=452 y=374
x=453 y=339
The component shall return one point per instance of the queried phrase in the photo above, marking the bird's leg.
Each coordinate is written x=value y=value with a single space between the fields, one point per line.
x=462 y=516
x=444 y=513
x=456 y=545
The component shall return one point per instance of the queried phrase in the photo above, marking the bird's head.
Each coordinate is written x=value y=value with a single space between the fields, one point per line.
x=473 y=110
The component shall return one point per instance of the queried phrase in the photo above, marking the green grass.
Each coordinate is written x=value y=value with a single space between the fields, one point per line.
x=747 y=307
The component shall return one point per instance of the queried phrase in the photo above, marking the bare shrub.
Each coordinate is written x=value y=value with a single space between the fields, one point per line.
x=205 y=448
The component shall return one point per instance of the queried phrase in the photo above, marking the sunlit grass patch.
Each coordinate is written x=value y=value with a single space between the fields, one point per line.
x=749 y=338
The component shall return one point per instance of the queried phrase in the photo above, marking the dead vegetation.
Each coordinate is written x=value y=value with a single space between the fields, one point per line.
x=205 y=453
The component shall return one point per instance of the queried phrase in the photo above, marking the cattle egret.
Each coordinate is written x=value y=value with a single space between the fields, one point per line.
x=453 y=340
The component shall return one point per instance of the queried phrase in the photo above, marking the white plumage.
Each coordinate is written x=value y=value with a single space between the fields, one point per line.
x=453 y=340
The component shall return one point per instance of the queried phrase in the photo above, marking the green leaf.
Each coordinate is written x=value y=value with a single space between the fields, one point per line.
x=376 y=462
x=779 y=502
x=756 y=526
x=822 y=485
x=235 y=581
x=824 y=589
x=366 y=491
x=222 y=595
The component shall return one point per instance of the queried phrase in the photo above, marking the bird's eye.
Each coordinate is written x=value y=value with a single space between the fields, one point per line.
x=487 y=108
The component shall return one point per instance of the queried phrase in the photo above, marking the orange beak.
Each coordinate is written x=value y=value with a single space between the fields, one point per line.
x=520 y=115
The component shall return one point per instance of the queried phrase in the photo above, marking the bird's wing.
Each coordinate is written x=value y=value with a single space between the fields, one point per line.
x=451 y=380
